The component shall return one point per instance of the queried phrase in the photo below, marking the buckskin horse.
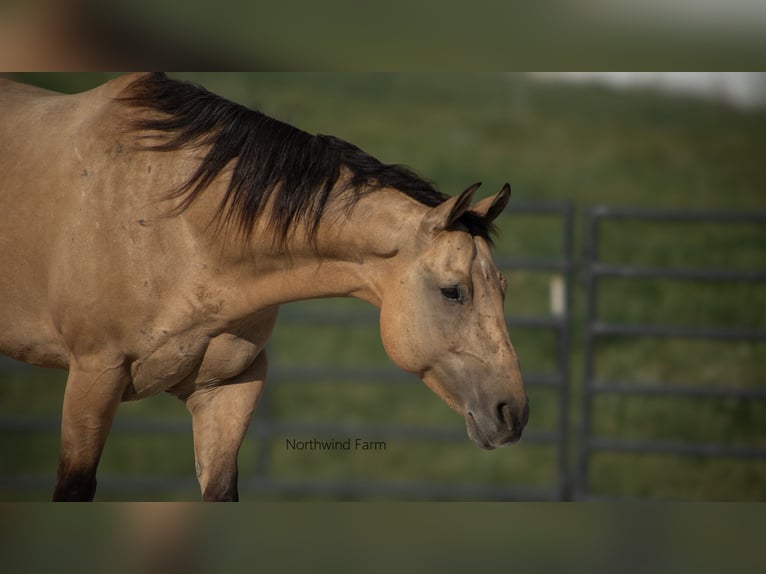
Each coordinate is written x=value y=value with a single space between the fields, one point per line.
x=150 y=230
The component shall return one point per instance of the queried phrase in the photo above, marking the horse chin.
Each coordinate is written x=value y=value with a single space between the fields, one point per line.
x=483 y=440
x=475 y=434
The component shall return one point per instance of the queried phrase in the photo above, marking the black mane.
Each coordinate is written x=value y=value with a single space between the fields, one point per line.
x=298 y=169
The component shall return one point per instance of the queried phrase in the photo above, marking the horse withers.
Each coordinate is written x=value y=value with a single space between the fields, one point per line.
x=149 y=231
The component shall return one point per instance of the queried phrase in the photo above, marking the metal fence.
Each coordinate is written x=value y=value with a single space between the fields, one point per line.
x=571 y=480
x=596 y=330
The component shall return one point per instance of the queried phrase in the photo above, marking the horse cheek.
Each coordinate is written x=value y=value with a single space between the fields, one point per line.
x=398 y=333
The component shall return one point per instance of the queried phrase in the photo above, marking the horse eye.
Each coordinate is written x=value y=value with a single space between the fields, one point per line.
x=452 y=294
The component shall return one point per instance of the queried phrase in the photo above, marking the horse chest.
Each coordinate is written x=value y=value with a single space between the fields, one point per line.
x=185 y=363
x=226 y=357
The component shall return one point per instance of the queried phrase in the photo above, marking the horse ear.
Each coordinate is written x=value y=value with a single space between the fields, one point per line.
x=443 y=216
x=494 y=205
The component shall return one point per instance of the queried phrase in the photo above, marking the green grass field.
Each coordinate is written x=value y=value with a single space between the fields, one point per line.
x=586 y=145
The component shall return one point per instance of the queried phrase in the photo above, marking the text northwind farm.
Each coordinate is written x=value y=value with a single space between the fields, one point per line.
x=334 y=444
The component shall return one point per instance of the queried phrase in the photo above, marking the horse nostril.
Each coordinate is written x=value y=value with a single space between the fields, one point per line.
x=507 y=419
x=504 y=415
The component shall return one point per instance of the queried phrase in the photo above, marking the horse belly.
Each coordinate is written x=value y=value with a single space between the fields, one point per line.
x=27 y=329
x=32 y=343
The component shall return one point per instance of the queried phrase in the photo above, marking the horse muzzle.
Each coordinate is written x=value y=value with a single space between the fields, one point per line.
x=500 y=425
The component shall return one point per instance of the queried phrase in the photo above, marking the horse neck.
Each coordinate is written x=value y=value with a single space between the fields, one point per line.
x=357 y=253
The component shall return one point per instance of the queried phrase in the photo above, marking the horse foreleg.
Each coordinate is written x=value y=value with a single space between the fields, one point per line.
x=90 y=401
x=220 y=418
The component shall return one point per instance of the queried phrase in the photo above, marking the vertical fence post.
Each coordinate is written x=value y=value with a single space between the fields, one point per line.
x=564 y=354
x=591 y=287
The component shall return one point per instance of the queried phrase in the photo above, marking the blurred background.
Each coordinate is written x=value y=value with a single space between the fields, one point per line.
x=635 y=251
x=302 y=35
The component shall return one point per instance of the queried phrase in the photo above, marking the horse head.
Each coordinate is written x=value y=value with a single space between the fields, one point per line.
x=442 y=318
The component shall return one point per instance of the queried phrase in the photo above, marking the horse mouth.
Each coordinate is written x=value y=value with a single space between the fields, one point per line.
x=486 y=440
